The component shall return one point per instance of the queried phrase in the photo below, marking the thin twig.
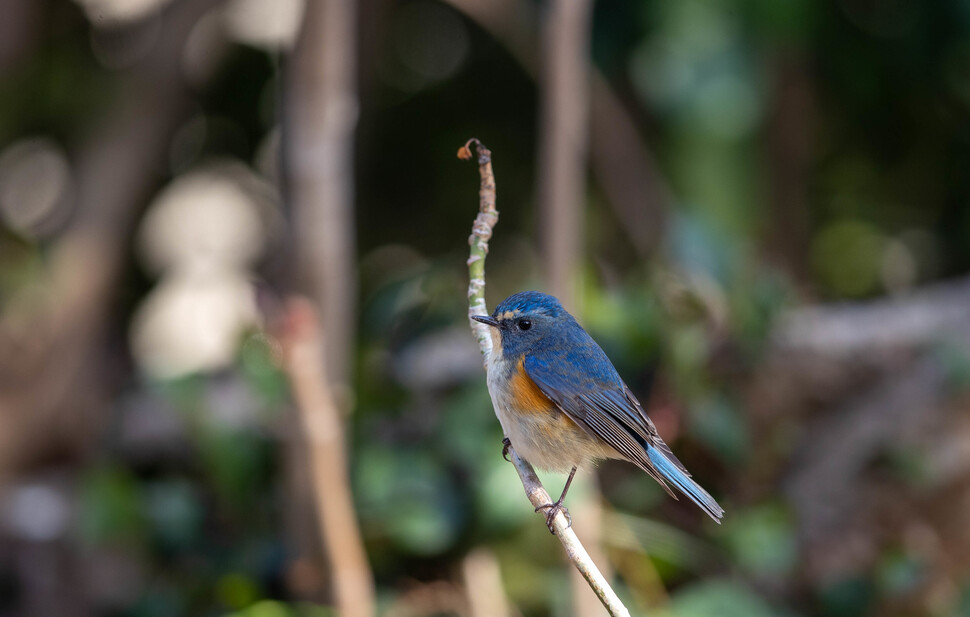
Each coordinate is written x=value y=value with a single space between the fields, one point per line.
x=481 y=233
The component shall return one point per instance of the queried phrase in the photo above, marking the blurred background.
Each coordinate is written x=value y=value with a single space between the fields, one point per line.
x=759 y=208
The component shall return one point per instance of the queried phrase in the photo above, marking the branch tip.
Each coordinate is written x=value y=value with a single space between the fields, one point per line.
x=465 y=153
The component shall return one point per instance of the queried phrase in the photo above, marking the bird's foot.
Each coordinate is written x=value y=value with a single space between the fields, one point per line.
x=506 y=444
x=552 y=509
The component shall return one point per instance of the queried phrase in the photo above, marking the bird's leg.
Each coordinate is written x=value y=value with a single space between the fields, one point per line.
x=506 y=444
x=554 y=508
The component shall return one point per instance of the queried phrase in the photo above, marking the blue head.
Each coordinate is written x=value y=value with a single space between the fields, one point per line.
x=529 y=320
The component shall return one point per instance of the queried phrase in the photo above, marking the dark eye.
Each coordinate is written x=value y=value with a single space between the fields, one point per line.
x=524 y=324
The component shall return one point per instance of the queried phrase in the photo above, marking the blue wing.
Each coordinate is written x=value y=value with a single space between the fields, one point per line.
x=582 y=382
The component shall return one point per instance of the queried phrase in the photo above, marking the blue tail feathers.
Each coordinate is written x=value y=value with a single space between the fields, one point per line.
x=683 y=482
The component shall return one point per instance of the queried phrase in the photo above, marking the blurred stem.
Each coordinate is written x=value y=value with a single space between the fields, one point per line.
x=321 y=116
x=563 y=141
x=353 y=581
x=483 y=584
x=622 y=164
x=481 y=233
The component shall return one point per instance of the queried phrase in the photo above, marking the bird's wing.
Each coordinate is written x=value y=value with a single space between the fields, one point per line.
x=607 y=411
x=598 y=401
x=588 y=390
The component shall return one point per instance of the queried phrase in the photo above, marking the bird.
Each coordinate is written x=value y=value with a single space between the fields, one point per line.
x=563 y=404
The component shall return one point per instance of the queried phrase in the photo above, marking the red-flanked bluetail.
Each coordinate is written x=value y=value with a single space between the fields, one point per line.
x=563 y=404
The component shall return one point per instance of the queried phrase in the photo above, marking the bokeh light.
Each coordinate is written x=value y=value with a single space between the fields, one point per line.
x=35 y=180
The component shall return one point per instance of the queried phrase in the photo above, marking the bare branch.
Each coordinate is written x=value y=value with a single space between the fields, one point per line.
x=481 y=233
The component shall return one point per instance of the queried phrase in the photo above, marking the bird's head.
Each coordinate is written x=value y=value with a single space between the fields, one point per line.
x=526 y=319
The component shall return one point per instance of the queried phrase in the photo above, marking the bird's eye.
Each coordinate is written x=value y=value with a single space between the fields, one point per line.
x=524 y=324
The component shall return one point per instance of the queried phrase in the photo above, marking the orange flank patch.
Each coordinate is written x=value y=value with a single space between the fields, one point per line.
x=525 y=393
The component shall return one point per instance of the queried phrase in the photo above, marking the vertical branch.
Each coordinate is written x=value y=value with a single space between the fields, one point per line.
x=563 y=141
x=322 y=113
x=320 y=419
x=481 y=233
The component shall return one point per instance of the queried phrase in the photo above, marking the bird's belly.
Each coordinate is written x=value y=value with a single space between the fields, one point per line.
x=541 y=433
x=550 y=440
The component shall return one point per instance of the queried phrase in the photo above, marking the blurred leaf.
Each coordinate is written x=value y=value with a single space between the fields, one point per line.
x=469 y=431
x=421 y=527
x=160 y=600
x=956 y=362
x=274 y=608
x=848 y=597
x=234 y=459
x=259 y=360
x=175 y=511
x=910 y=464
x=755 y=304
x=406 y=495
x=899 y=573
x=718 y=423
x=721 y=598
x=762 y=540
x=237 y=590
x=688 y=351
x=501 y=502
x=847 y=256
x=111 y=508
x=658 y=540
x=697 y=247
x=632 y=491
x=962 y=608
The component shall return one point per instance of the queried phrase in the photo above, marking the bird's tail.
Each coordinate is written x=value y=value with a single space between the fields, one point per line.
x=672 y=471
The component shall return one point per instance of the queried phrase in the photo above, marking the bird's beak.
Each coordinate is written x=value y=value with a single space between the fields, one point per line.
x=485 y=319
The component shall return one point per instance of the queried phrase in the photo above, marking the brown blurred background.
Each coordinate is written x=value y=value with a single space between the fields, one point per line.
x=236 y=375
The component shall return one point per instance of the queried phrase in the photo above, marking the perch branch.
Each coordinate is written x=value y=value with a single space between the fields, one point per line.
x=481 y=233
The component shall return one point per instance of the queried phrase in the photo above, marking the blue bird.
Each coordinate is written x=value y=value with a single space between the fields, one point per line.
x=562 y=403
